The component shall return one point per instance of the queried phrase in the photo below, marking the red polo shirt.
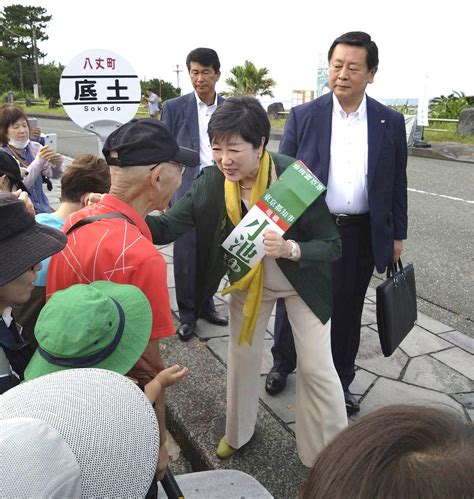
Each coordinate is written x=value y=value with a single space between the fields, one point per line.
x=114 y=250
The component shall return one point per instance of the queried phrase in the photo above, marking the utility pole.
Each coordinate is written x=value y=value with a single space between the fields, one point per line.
x=20 y=67
x=177 y=71
x=35 y=59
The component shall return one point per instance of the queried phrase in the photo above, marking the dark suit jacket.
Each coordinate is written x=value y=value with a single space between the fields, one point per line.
x=180 y=115
x=203 y=207
x=307 y=137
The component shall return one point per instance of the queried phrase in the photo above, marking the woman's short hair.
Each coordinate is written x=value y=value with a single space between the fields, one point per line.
x=87 y=173
x=242 y=116
x=9 y=114
x=400 y=451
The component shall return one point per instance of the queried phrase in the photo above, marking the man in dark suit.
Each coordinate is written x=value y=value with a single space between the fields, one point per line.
x=188 y=117
x=357 y=147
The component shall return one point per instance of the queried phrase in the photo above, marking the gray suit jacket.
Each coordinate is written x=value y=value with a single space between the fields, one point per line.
x=180 y=115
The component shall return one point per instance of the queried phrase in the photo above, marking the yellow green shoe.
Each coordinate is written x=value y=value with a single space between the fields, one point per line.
x=224 y=450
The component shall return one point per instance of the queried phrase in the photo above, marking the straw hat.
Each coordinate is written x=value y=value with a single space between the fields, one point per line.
x=81 y=432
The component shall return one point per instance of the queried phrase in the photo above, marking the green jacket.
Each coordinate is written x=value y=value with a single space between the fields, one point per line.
x=203 y=207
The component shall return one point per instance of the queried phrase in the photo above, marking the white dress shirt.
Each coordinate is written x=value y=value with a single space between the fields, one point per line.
x=347 y=180
x=204 y=115
x=7 y=316
x=5 y=369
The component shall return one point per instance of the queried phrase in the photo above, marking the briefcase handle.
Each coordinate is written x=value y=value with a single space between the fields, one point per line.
x=392 y=271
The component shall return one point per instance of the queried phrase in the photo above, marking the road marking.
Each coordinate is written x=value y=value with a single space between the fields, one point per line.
x=441 y=196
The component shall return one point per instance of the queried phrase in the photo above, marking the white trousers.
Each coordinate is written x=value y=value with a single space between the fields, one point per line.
x=320 y=406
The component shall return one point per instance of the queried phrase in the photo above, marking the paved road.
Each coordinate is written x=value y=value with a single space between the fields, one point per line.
x=441 y=227
x=72 y=140
x=440 y=236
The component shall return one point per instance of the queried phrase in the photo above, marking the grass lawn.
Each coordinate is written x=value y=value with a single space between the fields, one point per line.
x=278 y=124
x=59 y=111
x=448 y=133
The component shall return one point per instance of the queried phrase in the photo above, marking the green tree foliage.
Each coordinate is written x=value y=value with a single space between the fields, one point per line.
x=6 y=81
x=50 y=75
x=22 y=27
x=405 y=109
x=249 y=80
x=164 y=89
x=448 y=107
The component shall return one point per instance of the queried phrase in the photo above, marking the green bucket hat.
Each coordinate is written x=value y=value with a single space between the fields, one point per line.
x=102 y=324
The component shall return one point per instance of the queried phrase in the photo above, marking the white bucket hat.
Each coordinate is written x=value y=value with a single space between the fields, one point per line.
x=77 y=433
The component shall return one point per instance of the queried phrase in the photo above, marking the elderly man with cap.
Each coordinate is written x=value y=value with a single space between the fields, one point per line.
x=111 y=241
x=23 y=244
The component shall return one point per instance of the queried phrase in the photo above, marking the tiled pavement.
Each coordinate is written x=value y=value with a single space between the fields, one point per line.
x=433 y=365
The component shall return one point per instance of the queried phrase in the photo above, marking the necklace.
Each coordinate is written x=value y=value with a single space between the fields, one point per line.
x=245 y=188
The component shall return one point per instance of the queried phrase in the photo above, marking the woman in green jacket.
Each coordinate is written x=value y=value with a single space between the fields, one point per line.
x=296 y=267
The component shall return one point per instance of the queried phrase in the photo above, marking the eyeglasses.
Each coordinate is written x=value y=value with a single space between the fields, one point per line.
x=181 y=167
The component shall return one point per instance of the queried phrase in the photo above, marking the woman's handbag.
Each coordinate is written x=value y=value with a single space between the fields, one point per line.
x=396 y=306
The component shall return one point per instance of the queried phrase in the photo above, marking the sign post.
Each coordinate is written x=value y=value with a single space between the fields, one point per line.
x=422 y=116
x=322 y=78
x=100 y=91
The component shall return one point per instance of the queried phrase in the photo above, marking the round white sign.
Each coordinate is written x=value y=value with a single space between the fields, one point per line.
x=99 y=86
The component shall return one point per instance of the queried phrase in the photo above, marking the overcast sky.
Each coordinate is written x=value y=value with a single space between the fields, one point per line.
x=415 y=38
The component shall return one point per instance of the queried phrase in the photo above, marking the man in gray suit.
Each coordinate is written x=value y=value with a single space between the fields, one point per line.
x=188 y=117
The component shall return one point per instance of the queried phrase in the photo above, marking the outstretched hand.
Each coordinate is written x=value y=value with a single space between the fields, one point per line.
x=154 y=389
x=171 y=375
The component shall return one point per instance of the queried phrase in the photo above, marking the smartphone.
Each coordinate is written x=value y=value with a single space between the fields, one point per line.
x=33 y=122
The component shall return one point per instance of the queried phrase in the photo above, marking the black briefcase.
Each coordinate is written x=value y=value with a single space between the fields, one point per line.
x=396 y=306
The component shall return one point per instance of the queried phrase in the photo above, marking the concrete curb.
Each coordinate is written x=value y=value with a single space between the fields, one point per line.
x=277 y=135
x=434 y=154
x=48 y=116
x=196 y=418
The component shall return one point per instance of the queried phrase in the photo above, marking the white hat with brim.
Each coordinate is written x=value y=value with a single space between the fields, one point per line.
x=105 y=428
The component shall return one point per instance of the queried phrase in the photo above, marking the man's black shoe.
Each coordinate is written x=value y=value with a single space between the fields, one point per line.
x=352 y=406
x=185 y=331
x=275 y=382
x=215 y=318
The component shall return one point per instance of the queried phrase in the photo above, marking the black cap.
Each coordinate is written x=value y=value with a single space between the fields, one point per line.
x=10 y=167
x=145 y=142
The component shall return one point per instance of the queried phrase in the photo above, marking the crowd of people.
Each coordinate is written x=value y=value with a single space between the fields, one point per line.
x=84 y=301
